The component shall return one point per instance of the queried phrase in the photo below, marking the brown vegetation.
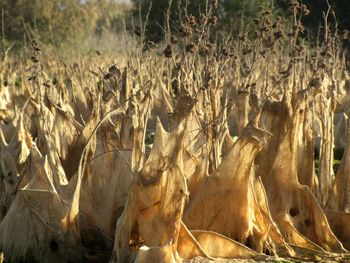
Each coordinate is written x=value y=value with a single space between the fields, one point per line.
x=81 y=180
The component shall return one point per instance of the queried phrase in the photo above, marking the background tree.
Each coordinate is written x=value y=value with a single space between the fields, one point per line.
x=46 y=19
x=233 y=14
x=318 y=9
x=54 y=22
x=154 y=14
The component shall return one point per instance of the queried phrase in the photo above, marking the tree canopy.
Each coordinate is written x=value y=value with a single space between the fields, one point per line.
x=55 y=21
x=231 y=14
x=235 y=14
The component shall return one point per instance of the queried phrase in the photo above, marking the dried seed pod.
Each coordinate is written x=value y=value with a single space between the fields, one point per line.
x=185 y=31
x=209 y=49
x=301 y=27
x=191 y=20
x=114 y=70
x=267 y=13
x=304 y=10
x=263 y=52
x=148 y=45
x=215 y=3
x=278 y=34
x=265 y=29
x=168 y=52
x=34 y=59
x=213 y=20
x=322 y=65
x=232 y=52
x=247 y=50
x=224 y=53
x=173 y=40
x=107 y=76
x=203 y=20
x=269 y=42
x=191 y=47
x=46 y=84
x=243 y=37
x=294 y=3
x=244 y=90
x=35 y=45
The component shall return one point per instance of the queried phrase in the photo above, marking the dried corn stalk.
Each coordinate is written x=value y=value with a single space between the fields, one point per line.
x=233 y=202
x=293 y=206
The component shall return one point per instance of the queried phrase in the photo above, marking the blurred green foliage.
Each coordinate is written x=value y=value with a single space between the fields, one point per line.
x=55 y=21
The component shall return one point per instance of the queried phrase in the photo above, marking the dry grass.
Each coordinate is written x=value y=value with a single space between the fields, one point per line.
x=119 y=154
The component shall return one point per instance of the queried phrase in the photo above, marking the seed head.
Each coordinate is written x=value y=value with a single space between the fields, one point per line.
x=215 y=3
x=168 y=52
x=224 y=53
x=107 y=76
x=191 y=47
x=185 y=31
x=256 y=21
x=173 y=40
x=265 y=29
x=209 y=49
x=34 y=59
x=35 y=45
x=213 y=20
x=191 y=20
x=301 y=27
x=278 y=35
x=247 y=50
x=243 y=37
x=294 y=3
x=203 y=20
x=304 y=10
x=267 y=13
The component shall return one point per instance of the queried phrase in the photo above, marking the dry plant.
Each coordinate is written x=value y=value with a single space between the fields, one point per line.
x=198 y=150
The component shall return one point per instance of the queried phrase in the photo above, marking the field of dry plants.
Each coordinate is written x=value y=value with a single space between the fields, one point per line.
x=187 y=152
